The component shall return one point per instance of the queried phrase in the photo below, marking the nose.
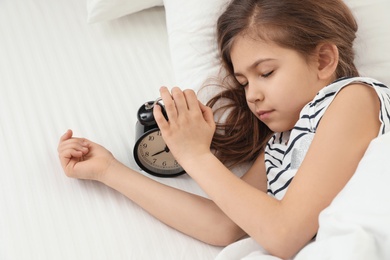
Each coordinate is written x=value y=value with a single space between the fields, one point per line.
x=254 y=93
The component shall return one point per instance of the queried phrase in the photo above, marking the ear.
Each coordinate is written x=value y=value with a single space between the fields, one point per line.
x=327 y=55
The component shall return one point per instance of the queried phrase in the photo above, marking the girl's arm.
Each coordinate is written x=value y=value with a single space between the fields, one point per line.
x=194 y=215
x=282 y=227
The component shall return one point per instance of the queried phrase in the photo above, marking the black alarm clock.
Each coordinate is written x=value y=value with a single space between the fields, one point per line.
x=150 y=151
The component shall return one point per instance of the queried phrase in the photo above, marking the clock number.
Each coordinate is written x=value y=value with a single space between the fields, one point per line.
x=151 y=138
x=164 y=163
x=159 y=133
x=144 y=145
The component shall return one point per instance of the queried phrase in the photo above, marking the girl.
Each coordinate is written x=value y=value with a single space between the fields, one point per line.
x=297 y=109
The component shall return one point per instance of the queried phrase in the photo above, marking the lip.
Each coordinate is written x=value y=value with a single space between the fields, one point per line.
x=264 y=114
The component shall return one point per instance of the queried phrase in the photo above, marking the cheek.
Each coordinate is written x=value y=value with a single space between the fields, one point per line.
x=252 y=107
x=286 y=93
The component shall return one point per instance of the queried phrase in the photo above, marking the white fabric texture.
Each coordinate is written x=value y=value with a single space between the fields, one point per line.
x=58 y=72
x=192 y=41
x=373 y=38
x=105 y=10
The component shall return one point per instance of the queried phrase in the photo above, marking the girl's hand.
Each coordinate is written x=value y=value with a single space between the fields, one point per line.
x=83 y=159
x=190 y=128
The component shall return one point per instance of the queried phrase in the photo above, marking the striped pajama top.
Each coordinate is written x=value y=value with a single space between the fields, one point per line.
x=285 y=151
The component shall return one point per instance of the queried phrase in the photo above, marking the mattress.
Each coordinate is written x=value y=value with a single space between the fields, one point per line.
x=59 y=72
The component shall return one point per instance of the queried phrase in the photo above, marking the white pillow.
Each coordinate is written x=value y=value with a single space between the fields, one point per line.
x=104 y=10
x=191 y=31
x=373 y=38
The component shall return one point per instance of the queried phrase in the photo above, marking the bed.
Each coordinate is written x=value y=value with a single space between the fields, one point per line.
x=89 y=65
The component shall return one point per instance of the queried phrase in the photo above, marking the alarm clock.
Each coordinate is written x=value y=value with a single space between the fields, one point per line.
x=150 y=152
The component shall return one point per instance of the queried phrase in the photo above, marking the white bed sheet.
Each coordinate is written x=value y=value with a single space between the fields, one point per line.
x=58 y=72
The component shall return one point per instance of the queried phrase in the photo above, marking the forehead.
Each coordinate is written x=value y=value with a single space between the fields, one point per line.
x=248 y=42
x=247 y=53
x=247 y=49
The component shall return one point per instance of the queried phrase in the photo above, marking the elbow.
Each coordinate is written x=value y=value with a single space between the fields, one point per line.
x=281 y=245
x=284 y=244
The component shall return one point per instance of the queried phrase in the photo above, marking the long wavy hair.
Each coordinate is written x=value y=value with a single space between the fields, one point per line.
x=299 y=25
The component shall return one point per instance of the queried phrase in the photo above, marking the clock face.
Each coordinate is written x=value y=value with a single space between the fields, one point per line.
x=154 y=157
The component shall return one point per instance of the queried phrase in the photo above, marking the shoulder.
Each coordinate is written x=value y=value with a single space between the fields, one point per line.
x=362 y=87
x=344 y=95
x=355 y=105
x=360 y=94
x=329 y=91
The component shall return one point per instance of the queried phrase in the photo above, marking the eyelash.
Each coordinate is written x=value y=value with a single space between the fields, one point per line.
x=243 y=85
x=266 y=75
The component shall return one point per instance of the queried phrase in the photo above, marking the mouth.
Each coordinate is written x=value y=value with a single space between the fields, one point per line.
x=264 y=114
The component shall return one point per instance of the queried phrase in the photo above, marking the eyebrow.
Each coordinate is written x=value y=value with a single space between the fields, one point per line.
x=254 y=65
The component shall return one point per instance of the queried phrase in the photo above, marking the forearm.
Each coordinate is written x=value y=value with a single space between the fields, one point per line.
x=193 y=215
x=260 y=215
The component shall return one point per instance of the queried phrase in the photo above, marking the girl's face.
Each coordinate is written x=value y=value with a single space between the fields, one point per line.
x=278 y=82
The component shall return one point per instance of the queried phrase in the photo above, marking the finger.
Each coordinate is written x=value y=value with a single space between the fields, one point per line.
x=75 y=154
x=75 y=143
x=169 y=103
x=68 y=134
x=159 y=117
x=192 y=100
x=179 y=100
x=68 y=155
x=75 y=146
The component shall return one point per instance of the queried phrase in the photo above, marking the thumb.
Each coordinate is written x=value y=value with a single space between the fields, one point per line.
x=68 y=134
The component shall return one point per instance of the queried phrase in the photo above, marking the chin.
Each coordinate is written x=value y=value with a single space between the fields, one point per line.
x=277 y=128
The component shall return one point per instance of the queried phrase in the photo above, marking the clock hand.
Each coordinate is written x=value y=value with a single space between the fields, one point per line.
x=158 y=152
x=166 y=149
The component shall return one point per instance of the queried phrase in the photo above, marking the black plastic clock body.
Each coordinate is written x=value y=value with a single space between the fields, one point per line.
x=150 y=151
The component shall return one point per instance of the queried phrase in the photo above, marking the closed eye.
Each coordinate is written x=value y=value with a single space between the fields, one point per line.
x=243 y=84
x=266 y=75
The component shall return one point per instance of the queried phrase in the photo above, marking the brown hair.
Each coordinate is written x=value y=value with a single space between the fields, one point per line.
x=294 y=24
